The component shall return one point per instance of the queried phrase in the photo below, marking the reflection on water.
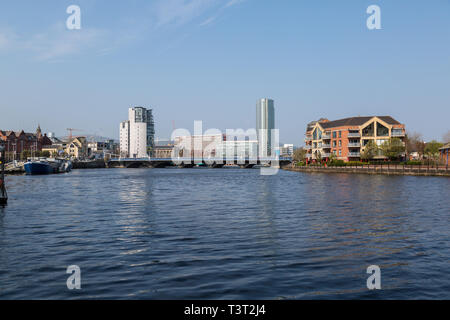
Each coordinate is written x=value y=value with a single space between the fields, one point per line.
x=226 y=234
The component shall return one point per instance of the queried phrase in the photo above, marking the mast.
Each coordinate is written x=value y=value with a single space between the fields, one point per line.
x=3 y=194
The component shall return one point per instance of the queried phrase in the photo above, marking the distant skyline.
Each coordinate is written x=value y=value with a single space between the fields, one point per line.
x=212 y=60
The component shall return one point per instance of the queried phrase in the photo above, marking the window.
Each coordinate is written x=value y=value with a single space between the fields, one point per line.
x=340 y=134
x=368 y=131
x=334 y=134
x=382 y=131
x=340 y=153
x=334 y=143
x=334 y=152
x=340 y=143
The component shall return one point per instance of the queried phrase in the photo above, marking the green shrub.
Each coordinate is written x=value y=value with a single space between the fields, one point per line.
x=414 y=163
x=354 y=163
x=337 y=163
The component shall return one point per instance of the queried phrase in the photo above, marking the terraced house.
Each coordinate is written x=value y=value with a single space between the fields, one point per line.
x=347 y=138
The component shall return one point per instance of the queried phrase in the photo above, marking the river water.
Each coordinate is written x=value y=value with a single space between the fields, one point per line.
x=224 y=234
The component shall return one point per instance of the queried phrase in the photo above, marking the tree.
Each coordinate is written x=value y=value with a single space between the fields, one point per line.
x=299 y=155
x=370 y=150
x=432 y=149
x=446 y=137
x=45 y=154
x=25 y=154
x=414 y=143
x=393 y=148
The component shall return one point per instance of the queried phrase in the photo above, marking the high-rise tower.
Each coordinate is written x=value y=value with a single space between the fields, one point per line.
x=137 y=135
x=265 y=123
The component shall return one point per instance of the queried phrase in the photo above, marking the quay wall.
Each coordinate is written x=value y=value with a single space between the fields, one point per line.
x=394 y=170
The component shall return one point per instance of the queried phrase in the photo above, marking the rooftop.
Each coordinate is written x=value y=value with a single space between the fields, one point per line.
x=353 y=121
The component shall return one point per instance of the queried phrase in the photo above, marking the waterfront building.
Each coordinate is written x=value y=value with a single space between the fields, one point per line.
x=77 y=148
x=444 y=153
x=54 y=150
x=265 y=123
x=238 y=149
x=163 y=152
x=124 y=139
x=199 y=146
x=347 y=138
x=20 y=144
x=287 y=150
x=137 y=134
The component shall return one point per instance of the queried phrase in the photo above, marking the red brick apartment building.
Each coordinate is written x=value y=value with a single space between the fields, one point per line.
x=346 y=138
x=17 y=142
x=444 y=151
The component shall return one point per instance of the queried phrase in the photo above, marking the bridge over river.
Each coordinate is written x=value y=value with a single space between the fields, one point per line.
x=191 y=162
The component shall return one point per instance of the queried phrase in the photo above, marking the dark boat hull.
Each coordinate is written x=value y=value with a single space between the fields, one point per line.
x=38 y=168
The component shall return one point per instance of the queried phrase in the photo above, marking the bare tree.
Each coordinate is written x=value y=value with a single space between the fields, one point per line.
x=414 y=143
x=446 y=137
x=299 y=154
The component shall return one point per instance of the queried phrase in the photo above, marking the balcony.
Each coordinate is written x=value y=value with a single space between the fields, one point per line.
x=309 y=147
x=397 y=134
x=354 y=145
x=326 y=137
x=326 y=155
x=354 y=154
x=307 y=139
x=326 y=146
x=354 y=135
x=308 y=155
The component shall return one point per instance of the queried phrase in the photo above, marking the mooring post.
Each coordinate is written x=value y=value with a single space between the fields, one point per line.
x=3 y=194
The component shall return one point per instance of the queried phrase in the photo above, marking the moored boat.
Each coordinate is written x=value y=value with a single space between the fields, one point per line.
x=38 y=167
x=47 y=166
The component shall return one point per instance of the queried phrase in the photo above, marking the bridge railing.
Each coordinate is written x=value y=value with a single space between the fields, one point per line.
x=194 y=160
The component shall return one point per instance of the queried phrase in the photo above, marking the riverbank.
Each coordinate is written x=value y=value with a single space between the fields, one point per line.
x=96 y=164
x=19 y=169
x=374 y=169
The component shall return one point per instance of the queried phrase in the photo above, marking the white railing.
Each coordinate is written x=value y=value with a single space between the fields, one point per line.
x=354 y=154
x=354 y=135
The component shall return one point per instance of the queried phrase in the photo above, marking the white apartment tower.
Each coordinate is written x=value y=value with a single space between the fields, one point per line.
x=265 y=123
x=137 y=133
x=124 y=139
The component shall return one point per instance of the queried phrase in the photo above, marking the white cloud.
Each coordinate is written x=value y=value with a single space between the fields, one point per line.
x=178 y=12
x=60 y=42
x=233 y=2
x=7 y=39
x=3 y=41
x=55 y=43
x=207 y=21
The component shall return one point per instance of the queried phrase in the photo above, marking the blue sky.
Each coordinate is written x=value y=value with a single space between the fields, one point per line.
x=211 y=60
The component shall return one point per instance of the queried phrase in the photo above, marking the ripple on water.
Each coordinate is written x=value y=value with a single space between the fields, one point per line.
x=224 y=234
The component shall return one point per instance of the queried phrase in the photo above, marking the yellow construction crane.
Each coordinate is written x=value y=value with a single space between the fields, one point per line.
x=71 y=130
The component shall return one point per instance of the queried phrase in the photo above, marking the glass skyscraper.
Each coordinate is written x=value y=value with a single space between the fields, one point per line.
x=143 y=115
x=265 y=123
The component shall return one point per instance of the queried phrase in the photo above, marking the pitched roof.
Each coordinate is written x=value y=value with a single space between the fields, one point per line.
x=445 y=147
x=356 y=121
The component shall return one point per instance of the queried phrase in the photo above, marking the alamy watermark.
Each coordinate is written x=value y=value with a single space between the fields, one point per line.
x=234 y=147
x=73 y=22
x=374 y=281
x=74 y=280
x=374 y=20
